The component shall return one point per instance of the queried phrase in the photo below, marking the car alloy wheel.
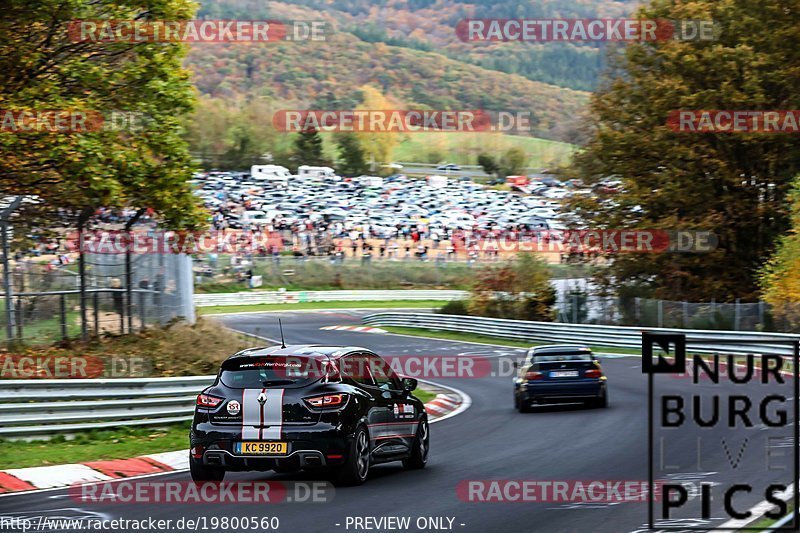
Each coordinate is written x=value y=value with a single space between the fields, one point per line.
x=423 y=441
x=362 y=451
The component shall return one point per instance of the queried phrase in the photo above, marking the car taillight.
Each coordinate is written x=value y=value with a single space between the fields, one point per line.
x=329 y=400
x=531 y=376
x=204 y=400
x=592 y=373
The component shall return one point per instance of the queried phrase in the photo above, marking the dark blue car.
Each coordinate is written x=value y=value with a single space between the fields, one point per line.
x=559 y=373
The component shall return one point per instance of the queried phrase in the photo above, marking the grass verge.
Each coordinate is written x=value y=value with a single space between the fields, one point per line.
x=369 y=304
x=766 y=522
x=424 y=395
x=95 y=445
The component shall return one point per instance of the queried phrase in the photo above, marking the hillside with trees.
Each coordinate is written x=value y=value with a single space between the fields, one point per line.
x=429 y=25
x=328 y=75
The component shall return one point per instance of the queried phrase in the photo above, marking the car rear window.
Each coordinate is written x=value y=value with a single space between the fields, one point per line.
x=570 y=356
x=266 y=372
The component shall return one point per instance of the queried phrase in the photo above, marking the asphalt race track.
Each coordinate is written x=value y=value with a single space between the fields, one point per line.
x=490 y=440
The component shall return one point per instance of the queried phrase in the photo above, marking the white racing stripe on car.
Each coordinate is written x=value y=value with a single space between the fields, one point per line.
x=273 y=415
x=251 y=414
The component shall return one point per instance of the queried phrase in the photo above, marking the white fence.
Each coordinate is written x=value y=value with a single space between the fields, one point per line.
x=281 y=297
x=735 y=342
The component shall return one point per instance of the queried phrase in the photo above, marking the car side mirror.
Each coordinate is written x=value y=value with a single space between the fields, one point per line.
x=409 y=384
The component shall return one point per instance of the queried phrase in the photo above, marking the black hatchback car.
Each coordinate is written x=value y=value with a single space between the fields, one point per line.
x=307 y=407
x=560 y=373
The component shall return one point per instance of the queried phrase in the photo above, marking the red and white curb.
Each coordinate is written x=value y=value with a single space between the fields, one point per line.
x=358 y=329
x=442 y=405
x=59 y=476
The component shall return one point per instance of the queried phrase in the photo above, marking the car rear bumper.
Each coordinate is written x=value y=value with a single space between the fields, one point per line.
x=230 y=461
x=308 y=447
x=564 y=391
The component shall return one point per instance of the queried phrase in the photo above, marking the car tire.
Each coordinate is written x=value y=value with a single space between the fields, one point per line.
x=523 y=407
x=202 y=473
x=599 y=402
x=420 y=447
x=602 y=402
x=356 y=469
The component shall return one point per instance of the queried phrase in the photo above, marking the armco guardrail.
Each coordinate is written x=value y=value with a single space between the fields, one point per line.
x=40 y=407
x=734 y=342
x=280 y=297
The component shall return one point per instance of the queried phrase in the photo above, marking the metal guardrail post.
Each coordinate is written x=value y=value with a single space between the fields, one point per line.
x=82 y=273
x=19 y=317
x=575 y=314
x=7 y=284
x=121 y=311
x=129 y=289
x=62 y=304
x=737 y=314
x=661 y=313
x=96 y=306
x=142 y=310
x=5 y=213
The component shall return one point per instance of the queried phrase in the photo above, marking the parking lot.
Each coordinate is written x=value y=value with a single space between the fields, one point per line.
x=408 y=217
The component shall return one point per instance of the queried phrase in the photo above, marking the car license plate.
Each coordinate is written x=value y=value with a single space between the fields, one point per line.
x=261 y=448
x=564 y=374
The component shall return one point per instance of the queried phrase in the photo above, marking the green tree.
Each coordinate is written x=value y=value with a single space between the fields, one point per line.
x=489 y=164
x=308 y=149
x=518 y=290
x=780 y=277
x=351 y=155
x=233 y=134
x=378 y=146
x=732 y=184
x=513 y=162
x=139 y=161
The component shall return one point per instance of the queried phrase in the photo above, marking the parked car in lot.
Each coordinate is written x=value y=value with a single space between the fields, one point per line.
x=559 y=373
x=307 y=407
x=370 y=200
